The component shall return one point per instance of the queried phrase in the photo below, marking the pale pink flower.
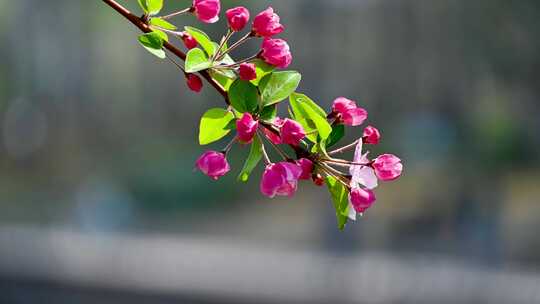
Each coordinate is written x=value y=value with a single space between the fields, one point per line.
x=361 y=199
x=388 y=167
x=348 y=112
x=371 y=135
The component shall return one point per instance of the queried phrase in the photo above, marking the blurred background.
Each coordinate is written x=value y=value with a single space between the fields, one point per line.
x=99 y=202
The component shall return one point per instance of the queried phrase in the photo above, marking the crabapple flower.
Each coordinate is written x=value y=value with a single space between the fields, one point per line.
x=273 y=137
x=194 y=83
x=307 y=168
x=266 y=24
x=387 y=167
x=362 y=175
x=292 y=132
x=246 y=127
x=207 y=11
x=247 y=71
x=348 y=112
x=280 y=179
x=361 y=199
x=371 y=135
x=237 y=18
x=189 y=41
x=214 y=164
x=276 y=52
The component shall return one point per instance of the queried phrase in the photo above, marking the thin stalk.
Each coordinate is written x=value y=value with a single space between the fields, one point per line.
x=175 y=63
x=235 y=45
x=265 y=155
x=184 y=11
x=229 y=145
x=345 y=148
x=278 y=149
x=222 y=44
x=233 y=65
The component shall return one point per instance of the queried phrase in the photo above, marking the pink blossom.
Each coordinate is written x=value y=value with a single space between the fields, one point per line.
x=371 y=135
x=292 y=132
x=189 y=41
x=237 y=18
x=348 y=112
x=362 y=175
x=280 y=179
x=247 y=71
x=388 y=167
x=307 y=168
x=266 y=23
x=276 y=52
x=207 y=10
x=275 y=138
x=194 y=83
x=214 y=164
x=246 y=127
x=361 y=199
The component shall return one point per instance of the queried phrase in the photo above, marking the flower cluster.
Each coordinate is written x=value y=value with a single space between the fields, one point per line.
x=253 y=88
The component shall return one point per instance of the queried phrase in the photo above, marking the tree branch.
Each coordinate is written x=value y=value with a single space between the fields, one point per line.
x=138 y=22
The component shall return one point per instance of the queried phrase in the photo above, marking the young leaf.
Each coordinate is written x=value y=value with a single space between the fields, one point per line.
x=163 y=24
x=340 y=199
x=161 y=35
x=337 y=134
x=255 y=156
x=151 y=7
x=204 y=41
x=310 y=115
x=196 y=61
x=243 y=96
x=262 y=69
x=268 y=113
x=153 y=42
x=223 y=80
x=277 y=86
x=214 y=125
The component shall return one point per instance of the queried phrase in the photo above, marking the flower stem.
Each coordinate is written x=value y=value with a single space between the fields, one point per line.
x=222 y=44
x=278 y=149
x=265 y=155
x=235 y=45
x=345 y=148
x=184 y=11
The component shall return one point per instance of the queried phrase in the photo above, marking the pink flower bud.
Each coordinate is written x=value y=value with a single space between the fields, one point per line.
x=361 y=199
x=387 y=167
x=292 y=132
x=342 y=105
x=318 y=179
x=276 y=52
x=348 y=112
x=307 y=168
x=207 y=11
x=194 y=83
x=280 y=179
x=248 y=71
x=266 y=23
x=246 y=127
x=237 y=18
x=371 y=135
x=189 y=41
x=214 y=164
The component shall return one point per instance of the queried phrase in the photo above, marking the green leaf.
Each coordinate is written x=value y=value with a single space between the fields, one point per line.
x=277 y=86
x=214 y=125
x=310 y=116
x=196 y=61
x=254 y=157
x=269 y=112
x=262 y=68
x=153 y=42
x=161 y=34
x=223 y=79
x=243 y=96
x=340 y=200
x=338 y=131
x=202 y=38
x=151 y=7
x=163 y=24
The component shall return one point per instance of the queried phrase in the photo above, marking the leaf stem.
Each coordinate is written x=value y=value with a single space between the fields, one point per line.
x=345 y=148
x=236 y=44
x=278 y=149
x=222 y=44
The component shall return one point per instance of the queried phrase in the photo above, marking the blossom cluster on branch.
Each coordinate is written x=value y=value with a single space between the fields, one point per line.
x=253 y=88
